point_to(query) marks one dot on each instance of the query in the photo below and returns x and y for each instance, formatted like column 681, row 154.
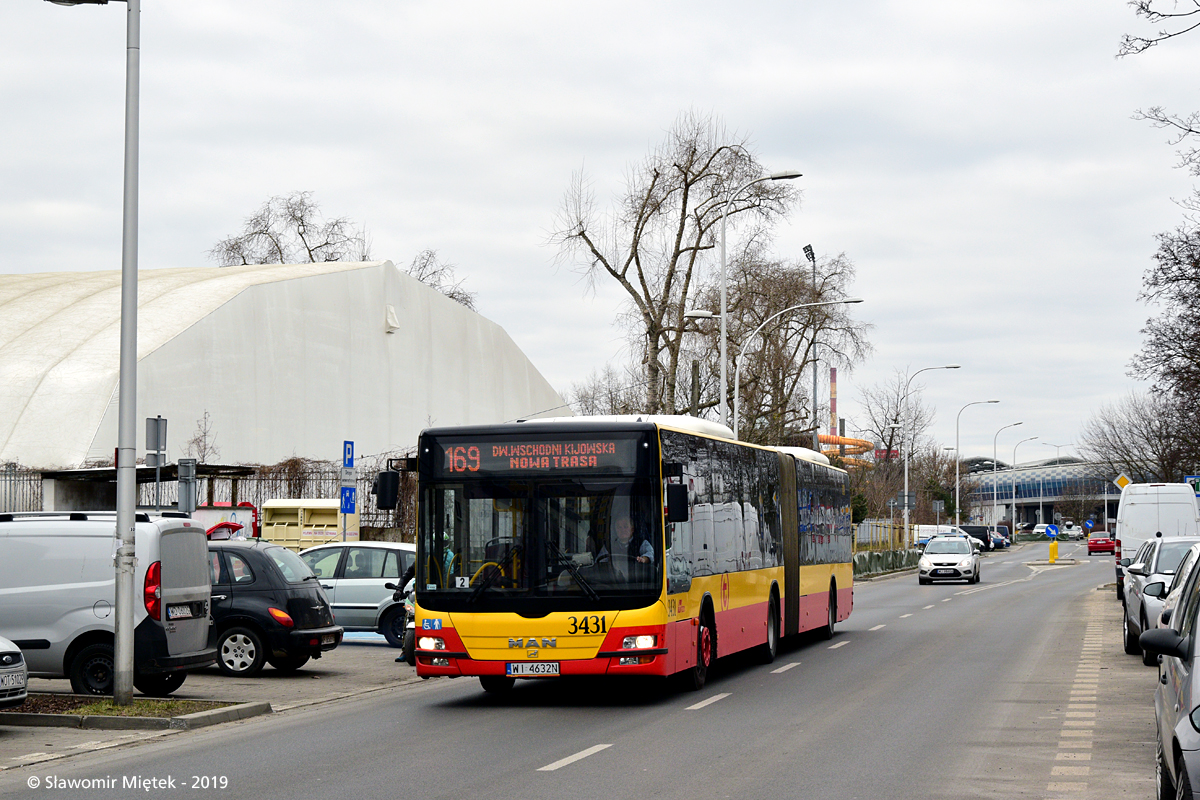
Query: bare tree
column 607, row 392
column 1183, row 17
column 203, row 444
column 431, row 271
column 883, row 407
column 1149, row 437
column 1171, row 351
column 775, row 402
column 291, row 230
column 656, row 241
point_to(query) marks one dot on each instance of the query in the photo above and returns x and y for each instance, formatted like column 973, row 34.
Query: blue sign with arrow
column 1052, row 531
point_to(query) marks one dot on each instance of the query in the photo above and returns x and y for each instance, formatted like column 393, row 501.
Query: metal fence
column 878, row 534
column 20, row 489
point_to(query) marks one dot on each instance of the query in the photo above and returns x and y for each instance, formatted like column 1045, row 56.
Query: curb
column 200, row 719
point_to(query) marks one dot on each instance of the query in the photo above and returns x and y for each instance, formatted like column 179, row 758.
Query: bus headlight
column 643, row 642
column 431, row 643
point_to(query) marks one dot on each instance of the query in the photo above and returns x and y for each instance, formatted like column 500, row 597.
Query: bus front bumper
column 432, row 663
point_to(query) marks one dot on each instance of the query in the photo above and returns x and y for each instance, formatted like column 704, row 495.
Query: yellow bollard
column 1053, row 550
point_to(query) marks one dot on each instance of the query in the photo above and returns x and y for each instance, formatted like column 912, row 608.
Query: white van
column 57, row 598
column 1148, row 510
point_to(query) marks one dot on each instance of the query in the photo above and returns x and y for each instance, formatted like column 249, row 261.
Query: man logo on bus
column 724, row 592
column 532, row 641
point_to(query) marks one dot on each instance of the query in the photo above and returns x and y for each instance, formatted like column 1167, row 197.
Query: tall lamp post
column 904, row 443
column 1057, row 449
column 958, row 454
column 1014, row 484
column 737, row 370
column 127, row 392
column 785, row 175
column 995, row 474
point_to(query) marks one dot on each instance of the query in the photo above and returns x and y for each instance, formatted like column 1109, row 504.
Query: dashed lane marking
column 709, row 701
column 842, row 643
column 785, row 667
column 877, row 627
column 562, row 762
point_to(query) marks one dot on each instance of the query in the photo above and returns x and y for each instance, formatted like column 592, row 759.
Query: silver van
column 57, row 598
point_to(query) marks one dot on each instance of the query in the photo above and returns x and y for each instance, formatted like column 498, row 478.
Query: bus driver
column 625, row 547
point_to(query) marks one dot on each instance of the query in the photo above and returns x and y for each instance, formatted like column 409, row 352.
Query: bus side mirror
column 387, row 490
column 677, row 502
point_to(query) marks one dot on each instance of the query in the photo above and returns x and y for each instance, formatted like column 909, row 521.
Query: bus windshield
column 550, row 542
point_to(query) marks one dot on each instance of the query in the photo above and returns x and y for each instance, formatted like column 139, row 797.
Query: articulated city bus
column 620, row 546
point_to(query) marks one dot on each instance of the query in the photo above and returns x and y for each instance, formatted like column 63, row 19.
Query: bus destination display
column 567, row 455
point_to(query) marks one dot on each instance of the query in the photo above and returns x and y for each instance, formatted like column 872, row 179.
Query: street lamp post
column 786, row 175
column 995, row 474
column 127, row 386
column 1014, row 484
column 958, row 456
column 903, row 442
column 1057, row 449
column 737, row 370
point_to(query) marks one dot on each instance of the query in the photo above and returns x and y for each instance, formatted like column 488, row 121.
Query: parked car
column 1155, row 562
column 1100, row 542
column 14, row 675
column 998, row 541
column 355, row 577
column 948, row 558
column 59, row 598
column 1177, row 696
column 1070, row 531
column 1170, row 591
column 268, row 608
column 1040, row 528
column 979, row 532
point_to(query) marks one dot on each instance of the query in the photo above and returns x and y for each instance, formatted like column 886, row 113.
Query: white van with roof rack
column 58, row 603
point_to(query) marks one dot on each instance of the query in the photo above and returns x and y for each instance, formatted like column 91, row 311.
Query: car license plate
column 14, row 680
column 179, row 612
column 943, row 572
column 538, row 668
column 328, row 638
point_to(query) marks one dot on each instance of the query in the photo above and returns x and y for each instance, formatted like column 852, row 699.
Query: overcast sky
column 976, row 161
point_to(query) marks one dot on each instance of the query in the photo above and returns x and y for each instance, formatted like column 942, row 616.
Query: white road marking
column 562, row 762
column 905, row 616
column 785, row 667
column 877, row 627
column 947, row 599
column 926, row 608
column 709, row 701
column 842, row 643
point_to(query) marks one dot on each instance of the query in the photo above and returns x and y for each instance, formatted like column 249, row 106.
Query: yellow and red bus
column 620, row 546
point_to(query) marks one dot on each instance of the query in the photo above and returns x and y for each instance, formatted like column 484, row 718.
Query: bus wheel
column 767, row 651
column 496, row 684
column 827, row 631
column 698, row 674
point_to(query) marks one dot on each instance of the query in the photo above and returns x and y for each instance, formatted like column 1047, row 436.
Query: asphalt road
column 1017, row 687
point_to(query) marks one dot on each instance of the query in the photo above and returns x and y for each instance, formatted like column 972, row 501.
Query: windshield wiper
column 490, row 578
column 573, row 568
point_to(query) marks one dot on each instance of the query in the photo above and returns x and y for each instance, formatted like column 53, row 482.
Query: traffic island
column 81, row 711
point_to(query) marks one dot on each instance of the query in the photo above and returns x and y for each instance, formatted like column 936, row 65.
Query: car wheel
column 496, row 684
column 1164, row 789
column 289, row 663
column 92, row 670
column 410, row 647
column 767, row 651
column 1148, row 658
column 240, row 652
column 1183, row 785
column 392, row 626
column 1131, row 643
column 160, row 684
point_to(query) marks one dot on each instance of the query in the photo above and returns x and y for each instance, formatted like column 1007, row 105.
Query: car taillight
column 152, row 591
column 281, row 617
column 1117, row 550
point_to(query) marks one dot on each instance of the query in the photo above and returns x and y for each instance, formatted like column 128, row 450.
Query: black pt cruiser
column 267, row 607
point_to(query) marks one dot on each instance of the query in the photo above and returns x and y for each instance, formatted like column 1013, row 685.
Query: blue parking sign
column 347, row 499
column 347, row 454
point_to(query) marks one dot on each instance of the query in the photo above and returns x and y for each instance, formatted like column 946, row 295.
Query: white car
column 14, row 676
column 948, row 558
column 355, row 574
